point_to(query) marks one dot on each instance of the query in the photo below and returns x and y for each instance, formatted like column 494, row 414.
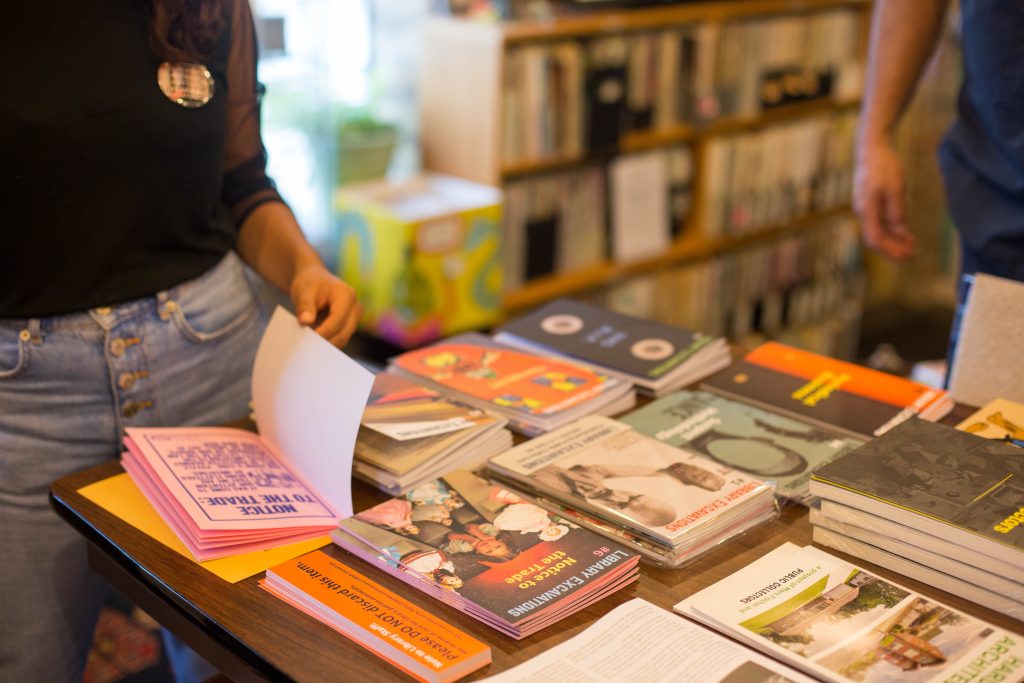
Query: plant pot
column 365, row 155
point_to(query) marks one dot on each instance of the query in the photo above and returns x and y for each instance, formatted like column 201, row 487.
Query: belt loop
column 162, row 308
column 35, row 330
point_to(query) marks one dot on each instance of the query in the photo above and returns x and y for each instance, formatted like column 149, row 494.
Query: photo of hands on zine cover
column 840, row 623
column 483, row 549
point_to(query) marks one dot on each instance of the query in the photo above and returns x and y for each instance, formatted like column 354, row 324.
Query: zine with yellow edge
column 945, row 482
column 119, row 496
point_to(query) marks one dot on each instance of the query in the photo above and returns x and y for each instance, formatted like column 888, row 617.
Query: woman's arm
column 271, row 241
column 269, row 238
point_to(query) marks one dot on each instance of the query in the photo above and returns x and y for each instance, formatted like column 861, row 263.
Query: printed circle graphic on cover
column 652, row 349
column 562, row 324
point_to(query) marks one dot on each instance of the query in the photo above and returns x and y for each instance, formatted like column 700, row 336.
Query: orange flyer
column 419, row 643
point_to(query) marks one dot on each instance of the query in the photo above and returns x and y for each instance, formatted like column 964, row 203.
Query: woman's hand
column 326, row 303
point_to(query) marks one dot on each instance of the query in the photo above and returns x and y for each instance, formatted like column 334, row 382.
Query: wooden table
column 251, row 635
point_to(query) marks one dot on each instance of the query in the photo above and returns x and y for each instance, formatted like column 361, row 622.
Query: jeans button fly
column 117, row 346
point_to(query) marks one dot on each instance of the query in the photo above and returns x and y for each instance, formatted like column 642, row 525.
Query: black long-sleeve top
column 109, row 190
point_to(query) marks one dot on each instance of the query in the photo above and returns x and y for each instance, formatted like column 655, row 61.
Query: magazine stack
column 937, row 504
column 669, row 504
column 488, row 552
column 656, row 358
column 536, row 393
column 410, row 435
column 834, row 394
column 778, row 449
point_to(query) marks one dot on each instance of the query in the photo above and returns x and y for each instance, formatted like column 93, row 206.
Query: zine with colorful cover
column 832, row 393
column 671, row 496
column 422, row 645
column 768, row 445
column 656, row 357
column 839, row 623
column 940, row 480
column 410, row 434
column 485, row 550
column 535, row 392
column 1000, row 419
column 401, row 409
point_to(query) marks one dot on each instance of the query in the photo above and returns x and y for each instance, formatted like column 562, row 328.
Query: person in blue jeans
column 982, row 155
column 134, row 187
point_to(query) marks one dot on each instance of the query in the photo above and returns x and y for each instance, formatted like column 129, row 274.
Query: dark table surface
column 251, row 635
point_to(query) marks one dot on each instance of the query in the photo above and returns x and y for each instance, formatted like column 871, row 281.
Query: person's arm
column 272, row 243
column 903, row 36
column 269, row 238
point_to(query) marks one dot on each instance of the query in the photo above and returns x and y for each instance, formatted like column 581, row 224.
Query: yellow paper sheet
column 119, row 496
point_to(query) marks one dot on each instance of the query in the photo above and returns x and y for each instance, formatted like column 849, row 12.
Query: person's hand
column 325, row 303
column 880, row 200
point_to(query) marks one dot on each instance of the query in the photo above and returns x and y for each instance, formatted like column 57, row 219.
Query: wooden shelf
column 617, row 21
column 691, row 248
column 683, row 133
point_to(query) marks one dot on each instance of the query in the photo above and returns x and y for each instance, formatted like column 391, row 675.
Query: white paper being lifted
column 308, row 398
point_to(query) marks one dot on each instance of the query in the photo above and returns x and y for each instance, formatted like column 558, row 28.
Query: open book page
column 638, row 641
column 308, row 398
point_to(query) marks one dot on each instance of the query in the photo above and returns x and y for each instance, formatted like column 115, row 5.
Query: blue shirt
column 982, row 156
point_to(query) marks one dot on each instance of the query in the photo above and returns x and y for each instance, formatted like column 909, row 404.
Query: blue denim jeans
column 69, row 385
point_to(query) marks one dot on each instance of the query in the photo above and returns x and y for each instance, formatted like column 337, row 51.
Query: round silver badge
column 189, row 85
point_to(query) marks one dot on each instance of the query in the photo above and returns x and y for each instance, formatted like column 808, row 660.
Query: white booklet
column 840, row 623
column 639, row 641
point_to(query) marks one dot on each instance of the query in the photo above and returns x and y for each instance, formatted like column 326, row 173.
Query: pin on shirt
column 189, row 85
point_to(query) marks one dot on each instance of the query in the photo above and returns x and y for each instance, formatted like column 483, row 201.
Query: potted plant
column 365, row 144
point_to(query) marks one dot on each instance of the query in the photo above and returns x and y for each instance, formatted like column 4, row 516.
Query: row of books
column 765, row 289
column 565, row 221
column 939, row 504
column 768, row 177
column 797, row 614
column 567, row 98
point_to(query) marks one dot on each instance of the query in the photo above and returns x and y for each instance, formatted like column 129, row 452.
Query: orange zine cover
column 880, row 386
column 507, row 378
column 411, row 638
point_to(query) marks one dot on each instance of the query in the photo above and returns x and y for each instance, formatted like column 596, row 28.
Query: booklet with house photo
column 838, row 622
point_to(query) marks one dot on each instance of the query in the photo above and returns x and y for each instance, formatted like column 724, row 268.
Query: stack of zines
column 831, row 393
column 419, row 643
column 772, row 447
column 224, row 491
column 668, row 504
column 940, row 505
column 485, row 551
column 410, row 435
column 536, row 393
column 656, row 358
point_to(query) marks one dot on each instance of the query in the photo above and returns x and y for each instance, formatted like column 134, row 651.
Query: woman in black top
column 132, row 171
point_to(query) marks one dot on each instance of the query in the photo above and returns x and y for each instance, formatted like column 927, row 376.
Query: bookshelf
column 475, row 99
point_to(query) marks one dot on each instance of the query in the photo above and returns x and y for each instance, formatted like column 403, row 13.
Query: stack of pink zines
column 224, row 491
